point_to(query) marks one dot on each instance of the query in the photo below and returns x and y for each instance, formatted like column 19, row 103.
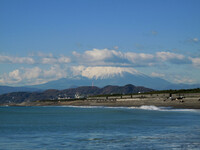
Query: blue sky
column 44, row 40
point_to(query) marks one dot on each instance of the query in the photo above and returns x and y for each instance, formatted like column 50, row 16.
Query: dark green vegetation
column 61, row 100
column 83, row 92
column 197, row 90
column 18, row 97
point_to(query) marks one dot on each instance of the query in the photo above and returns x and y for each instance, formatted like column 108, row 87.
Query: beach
column 189, row 103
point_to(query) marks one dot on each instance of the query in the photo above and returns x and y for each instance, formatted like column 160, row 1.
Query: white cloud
column 49, row 60
column 15, row 75
column 77, row 70
column 53, row 60
column 20, row 60
column 184, row 80
column 40, row 54
column 11, row 78
column 139, row 58
column 55, row 72
column 31, row 76
column 195, row 40
column 76, row 54
column 64, row 59
column 102, row 57
column 113, row 57
column 97, row 55
column 103, row 63
column 43, row 58
column 160, row 75
column 31, row 73
column 36, row 75
column 165, row 56
column 195, row 61
column 154, row 32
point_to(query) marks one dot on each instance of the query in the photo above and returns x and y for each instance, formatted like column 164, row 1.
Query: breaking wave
column 155, row 108
column 143, row 107
column 151, row 107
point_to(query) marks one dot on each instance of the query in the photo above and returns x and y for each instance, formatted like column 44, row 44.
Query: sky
column 45, row 40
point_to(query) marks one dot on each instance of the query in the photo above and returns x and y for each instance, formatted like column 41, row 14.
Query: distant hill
column 125, row 78
column 182, row 86
column 18, row 97
column 118, row 79
column 9, row 89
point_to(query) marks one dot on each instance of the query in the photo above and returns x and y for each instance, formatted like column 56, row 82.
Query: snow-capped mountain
column 117, row 79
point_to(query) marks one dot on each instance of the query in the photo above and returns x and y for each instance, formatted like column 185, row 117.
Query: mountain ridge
column 9, row 89
column 51, row 94
column 119, row 80
column 126, row 78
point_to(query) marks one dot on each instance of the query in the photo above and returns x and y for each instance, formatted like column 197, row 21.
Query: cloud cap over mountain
column 95, row 63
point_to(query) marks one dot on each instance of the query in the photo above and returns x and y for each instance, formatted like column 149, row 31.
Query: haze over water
column 147, row 127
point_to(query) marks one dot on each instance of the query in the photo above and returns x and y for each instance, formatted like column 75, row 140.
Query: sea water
column 146, row 127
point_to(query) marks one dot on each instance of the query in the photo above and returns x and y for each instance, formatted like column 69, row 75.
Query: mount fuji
column 117, row 79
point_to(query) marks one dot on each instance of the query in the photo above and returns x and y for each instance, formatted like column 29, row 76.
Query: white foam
column 152, row 107
column 190, row 110
column 143, row 107
column 83, row 106
column 4, row 106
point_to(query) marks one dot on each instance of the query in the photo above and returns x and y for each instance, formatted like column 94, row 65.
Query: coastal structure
column 142, row 96
column 177, row 99
column 78, row 96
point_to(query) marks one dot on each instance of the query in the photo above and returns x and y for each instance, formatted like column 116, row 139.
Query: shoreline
column 186, row 103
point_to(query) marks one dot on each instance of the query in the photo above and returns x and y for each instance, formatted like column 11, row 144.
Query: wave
column 155, row 108
column 151, row 107
column 4, row 106
column 190, row 110
column 71, row 106
column 143, row 107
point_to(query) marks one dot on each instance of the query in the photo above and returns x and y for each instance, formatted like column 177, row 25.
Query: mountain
column 125, row 78
column 127, row 89
column 119, row 79
column 18, row 97
column 182, row 86
column 9, row 89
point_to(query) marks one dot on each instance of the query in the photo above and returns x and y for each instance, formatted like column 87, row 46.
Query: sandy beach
column 189, row 103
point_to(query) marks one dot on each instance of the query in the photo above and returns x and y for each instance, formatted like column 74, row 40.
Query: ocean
column 92, row 128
